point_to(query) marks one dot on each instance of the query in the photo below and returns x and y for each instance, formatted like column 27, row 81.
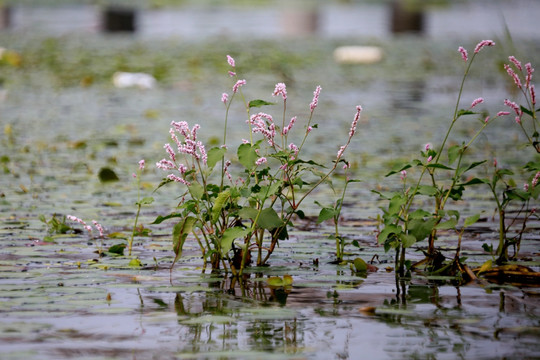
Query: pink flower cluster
column 86, row 226
column 264, row 124
column 528, row 89
column 280, row 89
column 289, row 127
column 315, row 100
column 479, row 46
column 189, row 146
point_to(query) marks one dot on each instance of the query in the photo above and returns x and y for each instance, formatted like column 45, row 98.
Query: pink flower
column 530, row 71
column 429, row 158
column 518, row 120
column 224, row 98
column 80, row 221
column 170, row 151
column 230, row 60
column 494, row 162
column 165, row 165
column 294, row 148
column 464, row 54
column 515, row 62
column 476, row 102
column 536, row 179
column 533, row 94
column 347, row 165
column 486, row 120
column 141, row 164
column 513, row 106
column 513, row 74
column 238, row 84
column 526, row 187
column 481, row 45
column 403, row 174
column 260, row 161
column 178, row 179
column 503, row 113
column 280, row 89
column 99, row 227
column 315, row 100
column 289, row 127
column 352, row 131
column 341, row 151
column 309, row 128
column 264, row 124
column 427, row 146
column 232, row 74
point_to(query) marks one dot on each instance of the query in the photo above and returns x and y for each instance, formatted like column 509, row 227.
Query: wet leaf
column 259, row 103
column 107, row 175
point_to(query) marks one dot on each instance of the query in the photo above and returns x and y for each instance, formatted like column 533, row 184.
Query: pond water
column 63, row 120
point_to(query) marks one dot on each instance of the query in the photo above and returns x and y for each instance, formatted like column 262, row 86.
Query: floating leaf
column 360, row 265
column 107, row 175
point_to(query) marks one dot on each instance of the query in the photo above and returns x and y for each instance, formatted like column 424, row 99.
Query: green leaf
column 219, row 203
column 450, row 224
column 269, row 219
column 427, row 190
column 326, row 214
column 465, row 112
column 526, row 111
column 360, row 265
column 180, row 233
column 229, row 235
column 395, row 204
column 398, row 168
column 453, row 153
column 476, row 181
column 439, row 166
column 248, row 213
column 419, row 214
column 474, row 164
column 161, row 219
column 471, row 220
column 107, row 175
column 117, row 249
column 420, row 229
column 215, row 154
column 135, row 263
column 387, row 231
column 196, row 190
column 146, row 201
column 407, row 240
column 259, row 103
column 247, row 155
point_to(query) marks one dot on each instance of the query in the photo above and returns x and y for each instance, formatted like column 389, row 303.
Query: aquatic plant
column 249, row 202
column 406, row 222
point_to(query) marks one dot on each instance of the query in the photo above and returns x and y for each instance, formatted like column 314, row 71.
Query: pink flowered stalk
column 315, row 100
column 476, row 102
column 231, row 61
column 280, row 89
column 238, row 84
column 482, row 44
column 516, row 62
column 224, row 98
column 80, row 221
column 464, row 54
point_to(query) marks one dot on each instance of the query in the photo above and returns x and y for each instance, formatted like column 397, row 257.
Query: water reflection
column 418, row 319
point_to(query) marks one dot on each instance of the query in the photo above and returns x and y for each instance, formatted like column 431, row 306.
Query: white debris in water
column 141, row 80
column 358, row 54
